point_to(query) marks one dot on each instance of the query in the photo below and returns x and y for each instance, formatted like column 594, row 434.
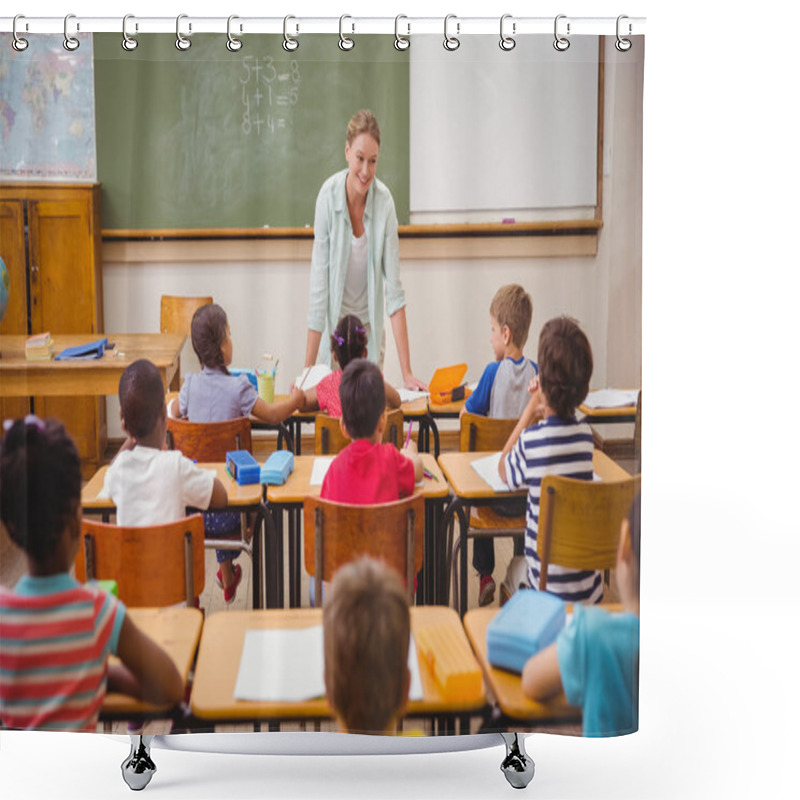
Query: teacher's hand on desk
column 410, row 382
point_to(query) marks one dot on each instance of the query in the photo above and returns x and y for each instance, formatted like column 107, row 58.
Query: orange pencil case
column 445, row 385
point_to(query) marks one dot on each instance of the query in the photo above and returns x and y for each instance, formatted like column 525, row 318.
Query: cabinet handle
column 34, row 273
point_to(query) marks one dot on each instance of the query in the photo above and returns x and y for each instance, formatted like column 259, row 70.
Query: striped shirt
column 553, row 447
column 55, row 638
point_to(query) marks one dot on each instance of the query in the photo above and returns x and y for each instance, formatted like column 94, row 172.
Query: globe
column 5, row 283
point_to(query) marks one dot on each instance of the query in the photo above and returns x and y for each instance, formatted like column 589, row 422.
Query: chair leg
column 517, row 766
column 138, row 768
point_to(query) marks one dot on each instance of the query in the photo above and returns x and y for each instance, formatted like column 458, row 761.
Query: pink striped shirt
column 55, row 638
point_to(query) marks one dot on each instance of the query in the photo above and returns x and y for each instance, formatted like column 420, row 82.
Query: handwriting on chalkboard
column 268, row 94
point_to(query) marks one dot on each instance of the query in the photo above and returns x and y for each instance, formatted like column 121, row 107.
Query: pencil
column 408, row 435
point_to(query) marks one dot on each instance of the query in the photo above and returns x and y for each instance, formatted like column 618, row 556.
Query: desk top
column 177, row 630
column 238, row 496
column 468, row 484
column 97, row 376
column 220, row 652
column 507, row 686
column 298, row 487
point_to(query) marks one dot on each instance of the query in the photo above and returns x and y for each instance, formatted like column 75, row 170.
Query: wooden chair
column 176, row 317
column 391, row 532
column 156, row 565
column 329, row 439
column 209, row 442
column 478, row 433
column 579, row 522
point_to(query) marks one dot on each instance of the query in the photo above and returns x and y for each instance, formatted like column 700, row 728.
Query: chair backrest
column 390, row 532
column 484, row 433
column 579, row 522
column 155, row 565
column 209, row 441
column 329, row 439
column 177, row 312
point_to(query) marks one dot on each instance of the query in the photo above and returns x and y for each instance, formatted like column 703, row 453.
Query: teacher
column 355, row 260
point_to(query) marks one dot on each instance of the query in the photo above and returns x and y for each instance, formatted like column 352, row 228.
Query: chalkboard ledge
column 556, row 228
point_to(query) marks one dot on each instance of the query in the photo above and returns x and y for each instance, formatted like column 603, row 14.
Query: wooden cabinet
column 50, row 242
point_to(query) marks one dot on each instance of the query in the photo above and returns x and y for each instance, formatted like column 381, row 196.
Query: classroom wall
column 447, row 299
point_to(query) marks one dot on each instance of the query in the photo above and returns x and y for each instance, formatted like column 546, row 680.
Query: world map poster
column 47, row 125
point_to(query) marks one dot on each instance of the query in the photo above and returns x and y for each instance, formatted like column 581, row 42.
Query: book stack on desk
column 39, row 347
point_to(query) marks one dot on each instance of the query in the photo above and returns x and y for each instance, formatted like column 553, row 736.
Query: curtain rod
column 452, row 26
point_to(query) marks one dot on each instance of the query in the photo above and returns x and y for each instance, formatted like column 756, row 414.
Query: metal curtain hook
column 451, row 43
column 70, row 42
column 345, row 43
column 290, row 44
column 128, row 42
column 18, row 43
column 507, row 42
column 623, row 45
column 233, row 44
column 561, row 43
column 401, row 42
column 181, row 42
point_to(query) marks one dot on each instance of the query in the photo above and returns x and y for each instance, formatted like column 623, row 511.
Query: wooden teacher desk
column 97, row 376
column 469, row 489
column 177, row 631
column 290, row 496
column 220, row 652
column 240, row 498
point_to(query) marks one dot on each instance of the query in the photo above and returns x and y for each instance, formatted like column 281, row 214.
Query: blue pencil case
column 278, row 467
column 84, row 351
column 242, row 467
column 527, row 623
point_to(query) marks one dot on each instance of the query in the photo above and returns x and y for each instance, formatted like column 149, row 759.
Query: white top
column 354, row 299
column 151, row 487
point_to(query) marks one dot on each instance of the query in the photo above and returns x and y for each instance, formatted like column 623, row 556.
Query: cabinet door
column 12, row 250
column 61, row 254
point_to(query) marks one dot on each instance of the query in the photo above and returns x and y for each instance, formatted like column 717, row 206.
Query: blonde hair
column 366, row 630
column 363, row 121
column 513, row 306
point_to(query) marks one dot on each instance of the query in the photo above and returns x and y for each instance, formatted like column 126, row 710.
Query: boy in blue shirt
column 595, row 659
column 502, row 393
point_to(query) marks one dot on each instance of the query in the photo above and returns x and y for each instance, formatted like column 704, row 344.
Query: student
column 214, row 395
column 558, row 445
column 55, row 633
column 367, row 471
column 349, row 341
column 366, row 632
column 148, row 484
column 502, row 393
column 595, row 659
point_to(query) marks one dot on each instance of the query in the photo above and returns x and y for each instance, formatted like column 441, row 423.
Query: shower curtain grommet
column 17, row 42
column 451, row 43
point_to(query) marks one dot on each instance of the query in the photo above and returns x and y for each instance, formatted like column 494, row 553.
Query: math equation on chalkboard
column 270, row 90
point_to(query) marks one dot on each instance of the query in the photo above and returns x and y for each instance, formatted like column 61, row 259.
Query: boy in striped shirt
column 55, row 633
column 558, row 445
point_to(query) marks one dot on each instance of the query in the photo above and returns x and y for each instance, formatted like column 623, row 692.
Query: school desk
column 249, row 497
column 217, row 668
column 507, row 686
column 469, row 489
column 612, row 414
column 290, row 496
column 177, row 630
column 97, row 376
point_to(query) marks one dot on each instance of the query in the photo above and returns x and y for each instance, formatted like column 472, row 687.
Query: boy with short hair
column 367, row 471
column 150, row 485
column 502, row 393
column 558, row 445
column 595, row 659
column 366, row 632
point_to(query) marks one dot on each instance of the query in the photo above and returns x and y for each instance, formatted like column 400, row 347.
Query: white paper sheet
column 318, row 470
column 281, row 665
column 311, row 376
column 487, row 469
column 409, row 395
column 288, row 665
column 611, row 398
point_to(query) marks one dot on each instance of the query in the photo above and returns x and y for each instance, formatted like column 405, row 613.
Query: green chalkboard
column 206, row 138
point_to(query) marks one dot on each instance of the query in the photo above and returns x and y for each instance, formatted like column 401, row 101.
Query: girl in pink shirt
column 348, row 342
